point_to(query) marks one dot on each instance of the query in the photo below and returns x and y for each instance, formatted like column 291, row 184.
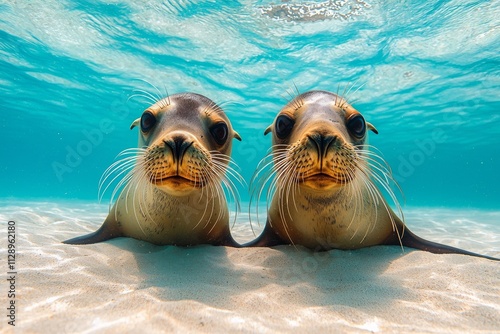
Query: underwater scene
column 76, row 75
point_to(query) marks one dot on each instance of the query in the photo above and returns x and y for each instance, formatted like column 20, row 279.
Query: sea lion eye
column 148, row 120
column 284, row 125
column 220, row 132
column 357, row 126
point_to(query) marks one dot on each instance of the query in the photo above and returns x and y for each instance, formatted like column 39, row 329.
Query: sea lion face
column 318, row 136
column 187, row 140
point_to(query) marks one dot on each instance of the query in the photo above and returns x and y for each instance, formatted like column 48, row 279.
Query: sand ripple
column 125, row 285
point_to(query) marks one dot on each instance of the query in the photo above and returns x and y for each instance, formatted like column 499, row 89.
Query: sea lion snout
column 322, row 142
column 178, row 143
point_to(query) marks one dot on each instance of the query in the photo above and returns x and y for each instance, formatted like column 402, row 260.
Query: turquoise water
column 426, row 75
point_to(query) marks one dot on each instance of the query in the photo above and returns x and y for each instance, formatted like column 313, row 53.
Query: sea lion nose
column 322, row 142
column 178, row 144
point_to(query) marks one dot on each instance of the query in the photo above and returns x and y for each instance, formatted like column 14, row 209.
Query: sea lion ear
column 135, row 123
column 269, row 129
column 236, row 136
column 371, row 127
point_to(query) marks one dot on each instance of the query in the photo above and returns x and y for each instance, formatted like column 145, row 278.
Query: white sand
column 125, row 285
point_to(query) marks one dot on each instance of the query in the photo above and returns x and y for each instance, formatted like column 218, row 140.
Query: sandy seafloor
column 125, row 285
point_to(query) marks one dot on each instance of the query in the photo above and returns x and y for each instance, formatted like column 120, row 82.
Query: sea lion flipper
column 411, row 240
column 414, row 241
column 267, row 238
column 108, row 230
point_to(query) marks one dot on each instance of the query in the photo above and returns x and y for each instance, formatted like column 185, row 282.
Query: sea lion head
column 186, row 140
column 317, row 140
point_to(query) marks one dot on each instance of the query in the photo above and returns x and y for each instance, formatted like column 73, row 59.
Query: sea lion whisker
column 365, row 152
column 236, row 196
column 137, row 184
column 281, row 210
column 212, row 201
column 124, row 180
column 284, row 175
column 221, row 213
column 120, row 169
column 375, row 159
column 227, row 160
column 298, row 95
column 267, row 160
column 158, row 92
column 294, row 184
column 256, row 192
column 117, row 166
column 379, row 170
column 206, row 188
column 261, row 177
column 113, row 166
column 212, row 194
column 144, row 95
column 343, row 100
column 222, row 170
column 231, row 188
column 354, row 192
column 229, row 170
column 138, row 160
column 210, row 108
column 348, row 98
column 290, row 179
column 347, row 88
column 295, row 190
column 365, row 175
column 228, row 181
column 289, row 98
column 383, row 182
column 357, row 204
column 378, row 196
column 387, row 174
column 209, row 190
column 131, row 150
column 229, row 104
column 216, row 187
column 147, row 192
column 167, row 96
column 374, row 153
column 358, row 195
column 141, row 200
column 374, row 195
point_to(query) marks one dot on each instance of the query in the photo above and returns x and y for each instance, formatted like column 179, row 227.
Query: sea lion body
column 173, row 196
column 328, row 226
column 325, row 196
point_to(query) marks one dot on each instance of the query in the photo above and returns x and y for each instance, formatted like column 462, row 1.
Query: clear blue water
column 68, row 68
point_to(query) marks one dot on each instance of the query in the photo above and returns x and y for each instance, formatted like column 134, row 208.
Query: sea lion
column 174, row 195
column 324, row 182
